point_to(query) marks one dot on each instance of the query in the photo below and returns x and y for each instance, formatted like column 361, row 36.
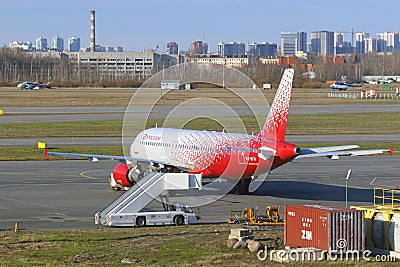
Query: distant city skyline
column 138, row 25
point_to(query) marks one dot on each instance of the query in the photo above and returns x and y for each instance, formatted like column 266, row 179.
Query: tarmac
column 67, row 114
column 58, row 195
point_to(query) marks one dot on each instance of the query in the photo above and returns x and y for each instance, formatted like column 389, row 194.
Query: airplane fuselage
column 214, row 154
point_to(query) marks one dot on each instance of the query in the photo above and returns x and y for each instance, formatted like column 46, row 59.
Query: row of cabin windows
column 201, row 148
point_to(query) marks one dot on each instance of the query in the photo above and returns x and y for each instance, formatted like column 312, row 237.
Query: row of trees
column 17, row 66
column 354, row 68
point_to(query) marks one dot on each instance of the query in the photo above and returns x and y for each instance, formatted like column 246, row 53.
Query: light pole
column 347, row 179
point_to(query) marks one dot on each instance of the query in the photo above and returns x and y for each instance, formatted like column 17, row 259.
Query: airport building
column 291, row 42
column 74, row 44
column 322, row 43
column 139, row 64
column 263, row 49
column 231, row 49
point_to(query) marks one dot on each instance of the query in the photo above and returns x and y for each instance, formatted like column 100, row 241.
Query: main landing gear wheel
column 242, row 187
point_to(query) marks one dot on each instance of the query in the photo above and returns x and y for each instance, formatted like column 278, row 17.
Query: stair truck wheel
column 141, row 221
column 179, row 220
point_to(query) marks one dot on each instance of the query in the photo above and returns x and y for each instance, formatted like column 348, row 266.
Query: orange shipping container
column 328, row 228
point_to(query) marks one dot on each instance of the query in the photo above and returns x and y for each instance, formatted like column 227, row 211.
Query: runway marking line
column 83, row 174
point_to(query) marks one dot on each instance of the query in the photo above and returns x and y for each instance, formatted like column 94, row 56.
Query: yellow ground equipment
column 41, row 145
column 382, row 220
column 250, row 217
column 236, row 217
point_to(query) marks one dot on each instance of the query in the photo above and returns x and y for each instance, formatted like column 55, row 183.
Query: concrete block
column 241, row 232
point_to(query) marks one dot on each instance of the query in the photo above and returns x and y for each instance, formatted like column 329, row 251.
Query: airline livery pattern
column 211, row 153
column 214, row 154
column 278, row 114
column 219, row 154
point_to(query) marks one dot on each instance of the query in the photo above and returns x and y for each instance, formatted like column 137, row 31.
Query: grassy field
column 13, row 97
column 30, row 153
column 194, row 245
column 63, row 129
column 363, row 123
column 359, row 123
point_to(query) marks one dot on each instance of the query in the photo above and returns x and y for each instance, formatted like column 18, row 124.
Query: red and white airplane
column 238, row 157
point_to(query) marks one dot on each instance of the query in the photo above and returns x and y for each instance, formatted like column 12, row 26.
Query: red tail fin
column 275, row 125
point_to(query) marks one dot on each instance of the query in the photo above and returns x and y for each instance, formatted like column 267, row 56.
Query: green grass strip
column 363, row 123
column 31, row 153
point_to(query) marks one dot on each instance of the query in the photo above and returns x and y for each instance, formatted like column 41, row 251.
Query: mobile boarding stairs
column 146, row 190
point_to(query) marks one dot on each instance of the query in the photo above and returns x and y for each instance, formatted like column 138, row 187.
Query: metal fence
column 354, row 96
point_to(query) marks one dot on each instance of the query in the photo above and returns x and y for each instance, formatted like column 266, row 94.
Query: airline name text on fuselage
column 151, row 137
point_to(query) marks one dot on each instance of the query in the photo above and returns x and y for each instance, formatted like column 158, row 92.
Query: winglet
column 46, row 153
column 391, row 150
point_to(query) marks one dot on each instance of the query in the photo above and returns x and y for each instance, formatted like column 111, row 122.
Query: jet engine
column 127, row 175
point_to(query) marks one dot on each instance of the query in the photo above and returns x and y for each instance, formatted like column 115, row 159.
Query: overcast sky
column 142, row 24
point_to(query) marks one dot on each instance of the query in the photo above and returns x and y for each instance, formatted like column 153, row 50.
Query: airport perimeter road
column 117, row 141
column 47, row 195
column 64, row 114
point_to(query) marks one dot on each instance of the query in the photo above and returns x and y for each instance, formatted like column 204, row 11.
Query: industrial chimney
column 92, row 31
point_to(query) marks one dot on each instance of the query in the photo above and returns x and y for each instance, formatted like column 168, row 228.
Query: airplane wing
column 95, row 158
column 333, row 152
